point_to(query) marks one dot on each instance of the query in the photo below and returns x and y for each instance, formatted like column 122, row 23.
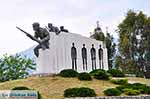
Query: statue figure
column 84, row 57
column 74, row 57
column 100, row 54
column 62, row 29
column 52, row 28
column 93, row 57
column 44, row 36
column 41, row 33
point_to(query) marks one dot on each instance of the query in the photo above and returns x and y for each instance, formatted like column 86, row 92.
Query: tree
column 108, row 40
column 111, row 49
column 14, row 67
column 134, row 39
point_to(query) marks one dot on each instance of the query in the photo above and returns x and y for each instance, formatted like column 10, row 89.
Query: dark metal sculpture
column 74, row 57
column 62, row 29
column 93, row 57
column 84, row 57
column 41, row 33
column 100, row 54
column 52, row 28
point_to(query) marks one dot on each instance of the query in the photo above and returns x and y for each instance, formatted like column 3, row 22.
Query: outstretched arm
column 30, row 36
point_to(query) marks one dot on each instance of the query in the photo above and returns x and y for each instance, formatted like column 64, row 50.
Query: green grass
column 53, row 87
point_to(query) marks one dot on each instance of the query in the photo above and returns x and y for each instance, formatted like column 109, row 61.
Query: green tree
column 134, row 35
column 108, row 40
column 14, row 67
column 111, row 49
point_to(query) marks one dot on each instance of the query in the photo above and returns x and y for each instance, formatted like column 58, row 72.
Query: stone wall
column 58, row 57
column 114, row 97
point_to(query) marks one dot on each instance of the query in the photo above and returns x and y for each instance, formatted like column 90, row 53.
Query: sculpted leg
column 36, row 50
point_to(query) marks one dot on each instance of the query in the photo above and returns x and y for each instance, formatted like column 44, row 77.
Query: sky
column 78, row 16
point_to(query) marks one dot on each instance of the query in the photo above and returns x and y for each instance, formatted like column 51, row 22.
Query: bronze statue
column 52, row 28
column 74, row 57
column 84, row 57
column 62, row 29
column 100, row 54
column 41, row 33
column 93, row 57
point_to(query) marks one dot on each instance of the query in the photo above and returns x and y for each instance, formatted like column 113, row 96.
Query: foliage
column 116, row 73
column 134, row 44
column 131, row 92
column 109, row 41
column 14, row 67
column 111, row 49
column 129, row 89
column 135, row 86
column 68, row 73
column 95, row 71
column 112, row 92
column 20, row 88
column 146, row 90
column 84, row 76
column 26, row 88
column 119, row 81
column 101, row 74
column 79, row 92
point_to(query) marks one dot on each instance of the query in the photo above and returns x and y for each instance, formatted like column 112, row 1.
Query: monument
column 64, row 50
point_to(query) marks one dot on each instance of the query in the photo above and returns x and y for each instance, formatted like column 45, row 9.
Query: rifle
column 32, row 37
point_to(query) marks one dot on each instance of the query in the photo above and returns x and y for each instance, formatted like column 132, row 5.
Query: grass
column 53, row 87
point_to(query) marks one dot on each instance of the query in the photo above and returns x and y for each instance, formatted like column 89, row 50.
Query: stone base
column 43, row 75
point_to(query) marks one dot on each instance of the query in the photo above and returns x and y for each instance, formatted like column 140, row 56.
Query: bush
column 136, row 86
column 146, row 90
column 131, row 92
column 119, row 81
column 116, row 73
column 112, row 92
column 121, row 88
column 101, row 75
column 68, row 73
column 20, row 88
column 79, row 92
column 95, row 71
column 25, row 88
column 84, row 76
column 15, row 67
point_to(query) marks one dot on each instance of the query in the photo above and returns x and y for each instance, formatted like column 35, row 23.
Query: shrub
column 131, row 92
column 68, row 73
column 146, row 90
column 116, row 73
column 20, row 88
column 119, row 81
column 135, row 86
column 101, row 75
column 79, row 92
column 15, row 67
column 25, row 88
column 96, row 70
column 121, row 88
column 84, row 76
column 112, row 92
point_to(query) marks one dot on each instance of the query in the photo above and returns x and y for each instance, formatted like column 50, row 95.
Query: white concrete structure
column 58, row 57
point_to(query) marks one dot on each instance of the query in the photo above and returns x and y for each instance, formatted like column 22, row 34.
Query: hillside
column 53, row 87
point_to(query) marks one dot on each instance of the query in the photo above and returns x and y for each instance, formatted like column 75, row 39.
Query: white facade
column 58, row 57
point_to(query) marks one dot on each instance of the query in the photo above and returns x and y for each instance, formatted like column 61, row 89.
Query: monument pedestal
column 44, row 66
column 58, row 57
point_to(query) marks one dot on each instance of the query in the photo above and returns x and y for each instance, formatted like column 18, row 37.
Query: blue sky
column 78, row 16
